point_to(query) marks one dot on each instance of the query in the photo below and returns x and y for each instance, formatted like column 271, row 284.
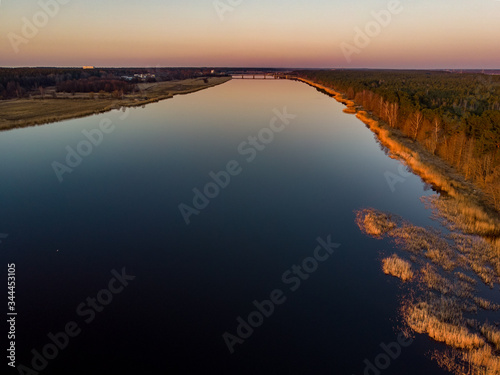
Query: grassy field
column 55, row 107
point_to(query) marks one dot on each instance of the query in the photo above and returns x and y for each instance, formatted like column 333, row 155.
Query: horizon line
column 244, row 67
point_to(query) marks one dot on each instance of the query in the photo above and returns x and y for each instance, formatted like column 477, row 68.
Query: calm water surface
column 120, row 208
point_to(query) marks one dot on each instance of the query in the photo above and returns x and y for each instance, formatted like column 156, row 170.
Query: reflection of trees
column 454, row 116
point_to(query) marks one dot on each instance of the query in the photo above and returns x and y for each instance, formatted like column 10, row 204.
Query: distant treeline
column 455, row 116
column 20, row 82
column 95, row 84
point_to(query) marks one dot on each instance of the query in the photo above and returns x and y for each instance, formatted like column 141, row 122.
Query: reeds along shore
column 464, row 205
column 443, row 296
column 442, row 271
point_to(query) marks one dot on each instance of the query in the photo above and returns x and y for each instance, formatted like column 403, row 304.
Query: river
column 233, row 204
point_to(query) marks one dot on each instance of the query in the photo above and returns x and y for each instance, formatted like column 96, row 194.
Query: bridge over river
column 257, row 75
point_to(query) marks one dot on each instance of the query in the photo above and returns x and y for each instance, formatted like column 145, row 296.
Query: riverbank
column 39, row 110
column 464, row 206
column 444, row 270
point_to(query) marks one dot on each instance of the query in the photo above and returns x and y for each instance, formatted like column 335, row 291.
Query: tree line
column 20, row 82
column 454, row 116
column 95, row 85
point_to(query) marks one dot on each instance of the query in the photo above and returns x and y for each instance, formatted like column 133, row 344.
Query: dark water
column 119, row 208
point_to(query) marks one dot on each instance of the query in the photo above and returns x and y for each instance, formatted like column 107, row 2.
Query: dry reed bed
column 374, row 223
column 397, row 267
column 455, row 250
column 492, row 334
column 441, row 319
column 445, row 271
column 480, row 361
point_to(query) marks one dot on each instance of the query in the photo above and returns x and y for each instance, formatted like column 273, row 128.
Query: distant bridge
column 255, row 76
column 259, row 75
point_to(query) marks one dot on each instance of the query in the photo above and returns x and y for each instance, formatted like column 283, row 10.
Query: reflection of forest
column 454, row 116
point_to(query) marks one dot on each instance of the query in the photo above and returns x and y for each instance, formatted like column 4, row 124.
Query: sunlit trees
column 454, row 116
column 493, row 186
column 436, row 133
column 415, row 122
column 392, row 114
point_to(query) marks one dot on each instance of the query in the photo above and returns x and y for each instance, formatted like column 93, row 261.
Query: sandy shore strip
column 21, row 113
column 351, row 106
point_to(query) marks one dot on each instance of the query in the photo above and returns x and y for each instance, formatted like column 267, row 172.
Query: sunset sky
column 271, row 33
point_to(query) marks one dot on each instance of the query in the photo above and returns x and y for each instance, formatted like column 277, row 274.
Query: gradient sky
column 273, row 33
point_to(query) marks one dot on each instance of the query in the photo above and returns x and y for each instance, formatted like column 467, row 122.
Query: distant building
column 88, row 67
column 142, row 77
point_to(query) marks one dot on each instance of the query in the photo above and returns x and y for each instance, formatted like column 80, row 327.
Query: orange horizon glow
column 427, row 35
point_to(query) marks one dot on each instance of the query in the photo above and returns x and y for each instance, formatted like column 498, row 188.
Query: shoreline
column 441, row 269
column 476, row 215
column 21, row 113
